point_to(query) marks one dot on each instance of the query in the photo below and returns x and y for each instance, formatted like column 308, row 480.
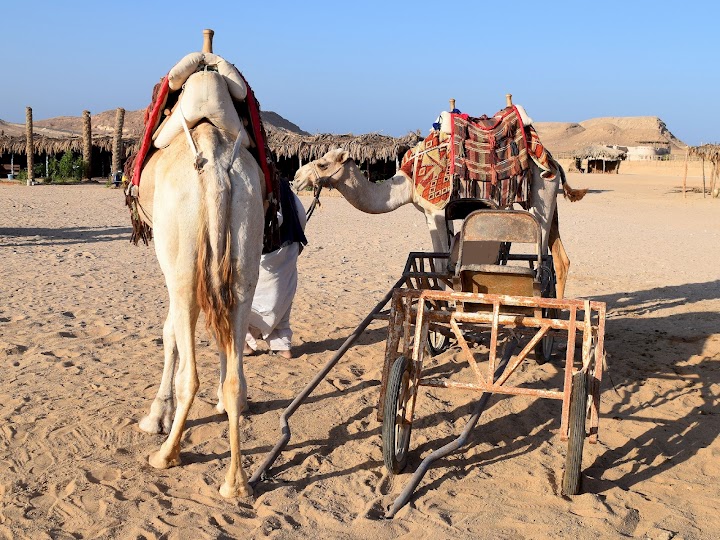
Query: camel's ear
column 342, row 156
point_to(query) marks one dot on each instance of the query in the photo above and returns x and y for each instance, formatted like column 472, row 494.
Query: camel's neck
column 370, row 197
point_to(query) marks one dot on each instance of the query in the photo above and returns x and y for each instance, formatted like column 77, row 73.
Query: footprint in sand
column 103, row 476
column 385, row 485
column 12, row 348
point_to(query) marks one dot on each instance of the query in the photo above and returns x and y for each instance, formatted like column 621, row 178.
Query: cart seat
column 479, row 252
column 475, row 252
column 486, row 227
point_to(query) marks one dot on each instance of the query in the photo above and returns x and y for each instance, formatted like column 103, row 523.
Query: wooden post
column 687, row 156
column 703, row 168
column 117, row 141
column 29, row 146
column 207, row 40
column 87, row 145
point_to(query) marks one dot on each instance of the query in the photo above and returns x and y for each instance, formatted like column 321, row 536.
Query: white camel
column 203, row 195
column 337, row 170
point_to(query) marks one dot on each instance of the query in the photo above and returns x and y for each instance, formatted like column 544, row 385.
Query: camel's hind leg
column 543, row 196
column 234, row 394
column 220, row 407
column 177, row 253
column 184, row 313
column 159, row 419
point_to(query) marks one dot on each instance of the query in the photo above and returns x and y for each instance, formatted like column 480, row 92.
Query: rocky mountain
column 611, row 130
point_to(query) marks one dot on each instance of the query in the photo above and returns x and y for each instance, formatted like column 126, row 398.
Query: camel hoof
column 235, row 492
column 150, row 425
column 160, row 461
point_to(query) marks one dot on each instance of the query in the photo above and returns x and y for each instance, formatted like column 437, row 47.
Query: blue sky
column 362, row 66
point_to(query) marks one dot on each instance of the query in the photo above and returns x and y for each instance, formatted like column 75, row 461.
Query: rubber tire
column 544, row 349
column 572, row 475
column 437, row 343
column 396, row 389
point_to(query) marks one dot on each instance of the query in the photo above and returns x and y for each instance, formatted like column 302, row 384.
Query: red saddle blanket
column 427, row 164
column 489, row 157
column 484, row 158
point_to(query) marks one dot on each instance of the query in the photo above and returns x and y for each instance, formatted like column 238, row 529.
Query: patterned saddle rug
column 485, row 158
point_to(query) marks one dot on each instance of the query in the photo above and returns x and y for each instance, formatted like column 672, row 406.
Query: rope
column 318, row 188
column 315, row 202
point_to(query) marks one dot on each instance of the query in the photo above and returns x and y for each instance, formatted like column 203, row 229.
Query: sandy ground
column 81, row 314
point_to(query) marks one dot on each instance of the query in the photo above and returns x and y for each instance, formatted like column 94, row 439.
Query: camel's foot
column 220, row 407
column 159, row 419
column 237, row 491
column 160, row 460
column 152, row 424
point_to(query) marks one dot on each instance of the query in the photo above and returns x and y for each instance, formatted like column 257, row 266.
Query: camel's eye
column 322, row 165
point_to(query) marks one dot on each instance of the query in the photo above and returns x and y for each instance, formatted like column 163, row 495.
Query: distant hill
column 557, row 136
column 104, row 124
column 611, row 130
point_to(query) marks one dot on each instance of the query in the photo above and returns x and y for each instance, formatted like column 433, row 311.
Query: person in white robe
column 272, row 303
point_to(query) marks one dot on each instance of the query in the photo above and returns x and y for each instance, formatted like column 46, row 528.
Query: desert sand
column 81, row 315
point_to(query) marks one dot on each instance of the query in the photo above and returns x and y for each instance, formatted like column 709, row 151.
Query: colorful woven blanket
column 427, row 165
column 484, row 158
column 539, row 154
column 489, row 157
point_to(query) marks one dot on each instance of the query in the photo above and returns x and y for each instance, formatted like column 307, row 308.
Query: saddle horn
column 508, row 100
column 207, row 40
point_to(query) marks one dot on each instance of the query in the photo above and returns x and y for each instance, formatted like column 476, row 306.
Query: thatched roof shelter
column 599, row 152
column 57, row 145
column 284, row 144
column 370, row 147
column 710, row 152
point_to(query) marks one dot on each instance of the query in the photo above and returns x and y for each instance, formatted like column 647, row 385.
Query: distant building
column 598, row 159
column 652, row 151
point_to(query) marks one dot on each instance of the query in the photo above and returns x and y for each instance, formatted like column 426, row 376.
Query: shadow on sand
column 33, row 236
column 636, row 331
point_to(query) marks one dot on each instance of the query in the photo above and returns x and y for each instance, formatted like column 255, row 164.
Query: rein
column 319, row 183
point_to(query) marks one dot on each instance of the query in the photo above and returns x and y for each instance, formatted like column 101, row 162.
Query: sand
column 81, row 314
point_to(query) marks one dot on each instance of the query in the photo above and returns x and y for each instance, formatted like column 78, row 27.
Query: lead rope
column 316, row 191
column 315, row 202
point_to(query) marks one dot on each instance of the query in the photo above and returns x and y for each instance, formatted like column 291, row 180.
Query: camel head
column 325, row 171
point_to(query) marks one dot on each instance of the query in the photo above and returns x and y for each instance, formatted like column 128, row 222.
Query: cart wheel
column 544, row 349
column 397, row 423
column 438, row 343
column 576, row 434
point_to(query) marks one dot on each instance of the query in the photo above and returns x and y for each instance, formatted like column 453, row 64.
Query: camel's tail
column 214, row 268
column 571, row 194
